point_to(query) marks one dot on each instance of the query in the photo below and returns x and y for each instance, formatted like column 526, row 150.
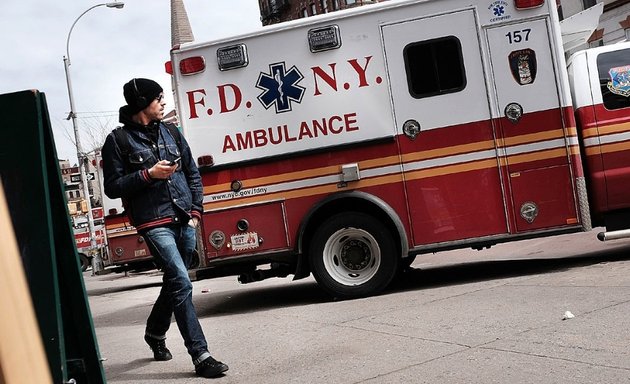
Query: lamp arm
column 72, row 27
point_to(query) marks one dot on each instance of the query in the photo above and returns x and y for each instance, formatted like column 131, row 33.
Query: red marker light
column 192, row 65
column 527, row 4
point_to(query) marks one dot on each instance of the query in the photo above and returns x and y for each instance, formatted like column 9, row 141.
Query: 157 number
column 518, row 36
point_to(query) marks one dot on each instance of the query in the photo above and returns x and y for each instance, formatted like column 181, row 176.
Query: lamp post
column 97, row 262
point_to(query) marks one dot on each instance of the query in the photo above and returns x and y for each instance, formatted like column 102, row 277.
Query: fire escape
column 273, row 11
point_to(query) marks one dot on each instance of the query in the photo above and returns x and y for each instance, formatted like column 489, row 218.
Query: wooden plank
column 22, row 357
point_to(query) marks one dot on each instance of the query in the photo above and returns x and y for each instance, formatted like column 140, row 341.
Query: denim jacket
column 151, row 202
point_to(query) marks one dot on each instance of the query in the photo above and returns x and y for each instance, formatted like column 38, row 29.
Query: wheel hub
column 355, row 255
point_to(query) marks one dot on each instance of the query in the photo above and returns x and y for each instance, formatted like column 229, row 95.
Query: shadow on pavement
column 255, row 298
column 304, row 293
column 122, row 372
column 470, row 272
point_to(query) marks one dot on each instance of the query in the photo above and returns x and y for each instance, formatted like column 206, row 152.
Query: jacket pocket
column 172, row 152
column 141, row 159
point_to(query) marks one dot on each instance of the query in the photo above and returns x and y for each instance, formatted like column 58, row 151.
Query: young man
column 150, row 167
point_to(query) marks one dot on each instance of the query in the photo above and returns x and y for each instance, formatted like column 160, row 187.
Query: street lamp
column 81, row 156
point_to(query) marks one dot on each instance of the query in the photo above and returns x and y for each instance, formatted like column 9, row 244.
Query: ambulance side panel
column 298, row 135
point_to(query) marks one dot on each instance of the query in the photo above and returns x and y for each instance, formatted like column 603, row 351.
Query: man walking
column 148, row 164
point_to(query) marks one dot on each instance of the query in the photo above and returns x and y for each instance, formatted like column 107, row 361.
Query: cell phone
column 173, row 162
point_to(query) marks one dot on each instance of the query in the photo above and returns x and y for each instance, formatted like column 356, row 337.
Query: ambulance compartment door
column 535, row 147
column 445, row 134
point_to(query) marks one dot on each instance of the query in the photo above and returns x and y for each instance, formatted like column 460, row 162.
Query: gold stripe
column 533, row 137
column 537, row 156
column 607, row 148
column 448, row 151
column 450, row 169
column 605, row 130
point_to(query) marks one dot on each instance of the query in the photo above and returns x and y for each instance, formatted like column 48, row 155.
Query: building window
column 588, row 3
column 323, row 5
column 434, row 67
column 596, row 39
column 313, row 9
column 614, row 71
column 351, row 2
column 596, row 43
column 627, row 31
column 335, row 5
column 304, row 12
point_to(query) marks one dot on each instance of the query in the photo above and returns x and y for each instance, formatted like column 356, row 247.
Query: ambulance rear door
column 536, row 145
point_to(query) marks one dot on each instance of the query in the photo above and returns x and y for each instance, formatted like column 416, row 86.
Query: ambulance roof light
column 192, row 65
column 528, row 4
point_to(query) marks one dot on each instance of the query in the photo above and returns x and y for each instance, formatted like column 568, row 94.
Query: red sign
column 97, row 213
column 83, row 239
column 69, row 171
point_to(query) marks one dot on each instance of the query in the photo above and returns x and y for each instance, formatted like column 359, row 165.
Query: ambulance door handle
column 513, row 112
column 411, row 129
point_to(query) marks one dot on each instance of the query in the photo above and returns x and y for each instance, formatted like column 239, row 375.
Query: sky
column 107, row 48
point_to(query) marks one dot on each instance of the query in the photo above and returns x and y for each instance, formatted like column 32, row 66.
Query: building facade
column 614, row 24
column 277, row 11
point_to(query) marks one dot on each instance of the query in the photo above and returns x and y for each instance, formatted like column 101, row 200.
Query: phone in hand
column 173, row 162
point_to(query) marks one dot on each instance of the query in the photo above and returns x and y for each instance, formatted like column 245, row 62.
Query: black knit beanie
column 139, row 93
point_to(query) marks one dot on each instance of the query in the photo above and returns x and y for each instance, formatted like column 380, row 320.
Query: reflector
column 192, row 65
column 527, row 4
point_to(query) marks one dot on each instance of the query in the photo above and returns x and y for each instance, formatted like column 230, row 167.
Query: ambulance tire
column 85, row 262
column 353, row 255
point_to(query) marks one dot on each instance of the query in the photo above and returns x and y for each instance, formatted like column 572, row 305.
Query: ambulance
column 347, row 144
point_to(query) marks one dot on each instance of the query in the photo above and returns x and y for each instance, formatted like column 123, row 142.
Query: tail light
column 192, row 65
column 528, row 4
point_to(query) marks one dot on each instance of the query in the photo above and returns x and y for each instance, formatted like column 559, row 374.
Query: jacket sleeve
column 117, row 183
column 193, row 177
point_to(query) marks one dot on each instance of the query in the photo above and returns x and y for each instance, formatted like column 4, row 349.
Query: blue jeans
column 173, row 247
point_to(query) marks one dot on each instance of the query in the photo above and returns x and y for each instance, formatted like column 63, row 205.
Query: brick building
column 614, row 24
column 276, row 11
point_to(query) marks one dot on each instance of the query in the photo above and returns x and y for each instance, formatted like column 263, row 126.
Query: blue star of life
column 499, row 10
column 280, row 87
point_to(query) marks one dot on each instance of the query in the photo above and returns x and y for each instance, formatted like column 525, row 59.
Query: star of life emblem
column 280, row 87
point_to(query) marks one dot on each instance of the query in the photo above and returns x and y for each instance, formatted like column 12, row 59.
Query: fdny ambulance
column 346, row 144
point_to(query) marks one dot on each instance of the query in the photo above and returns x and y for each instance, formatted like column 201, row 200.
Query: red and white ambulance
column 346, row 144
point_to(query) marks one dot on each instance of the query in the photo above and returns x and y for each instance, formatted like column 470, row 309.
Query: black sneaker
column 160, row 352
column 210, row 368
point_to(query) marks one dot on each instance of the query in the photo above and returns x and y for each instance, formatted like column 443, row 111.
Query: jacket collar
column 124, row 117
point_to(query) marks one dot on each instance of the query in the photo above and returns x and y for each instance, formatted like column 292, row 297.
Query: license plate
column 140, row 252
column 244, row 241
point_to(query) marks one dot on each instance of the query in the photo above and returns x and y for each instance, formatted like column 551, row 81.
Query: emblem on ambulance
column 523, row 65
column 619, row 83
column 280, row 87
column 217, row 239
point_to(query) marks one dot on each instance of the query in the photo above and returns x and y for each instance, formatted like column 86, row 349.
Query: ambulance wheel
column 353, row 255
column 85, row 262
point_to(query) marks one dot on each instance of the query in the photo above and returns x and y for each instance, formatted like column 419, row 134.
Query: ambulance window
column 614, row 78
column 434, row 67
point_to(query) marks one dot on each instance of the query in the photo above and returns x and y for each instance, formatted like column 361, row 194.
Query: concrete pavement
column 494, row 316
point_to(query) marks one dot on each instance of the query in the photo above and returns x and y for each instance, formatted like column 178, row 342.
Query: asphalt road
column 492, row 316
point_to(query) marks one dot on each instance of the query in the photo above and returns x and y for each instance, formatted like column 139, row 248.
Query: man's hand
column 193, row 222
column 162, row 170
